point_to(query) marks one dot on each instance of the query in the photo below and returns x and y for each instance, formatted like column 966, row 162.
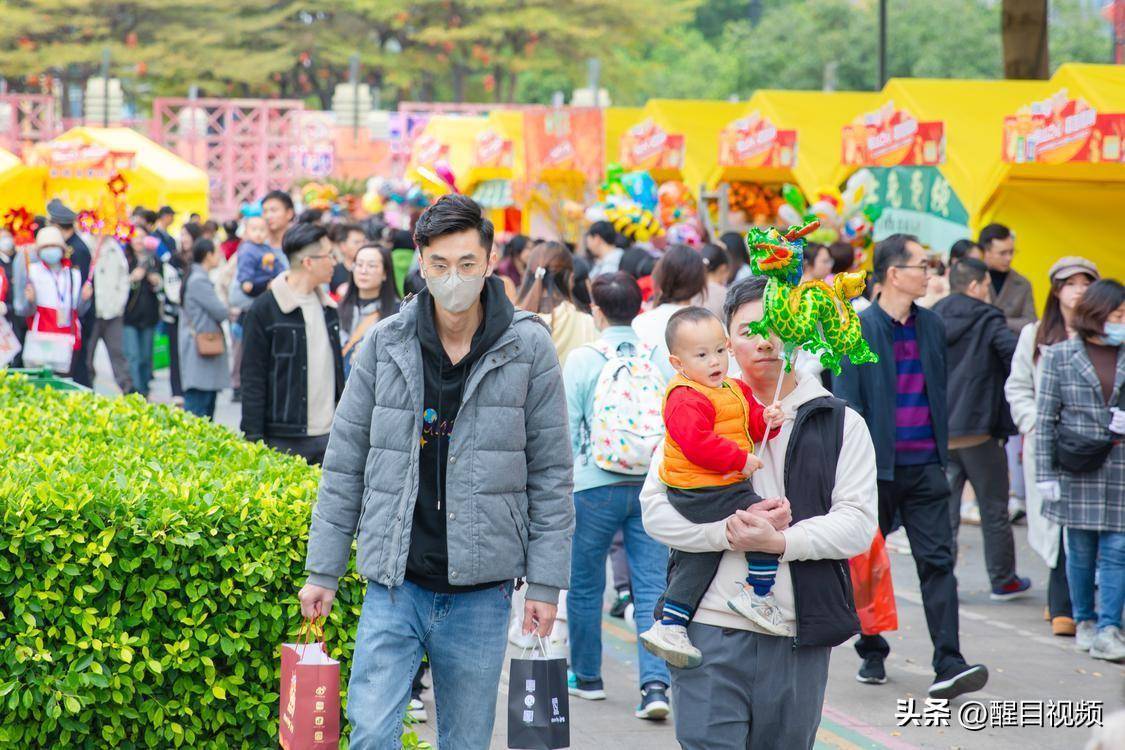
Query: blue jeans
column 1104, row 551
column 137, row 343
column 598, row 514
column 465, row 636
column 200, row 403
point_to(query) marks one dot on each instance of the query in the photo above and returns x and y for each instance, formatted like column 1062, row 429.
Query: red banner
column 1060, row 129
column 564, row 140
column 754, row 141
column 492, row 150
column 648, row 146
column 890, row 137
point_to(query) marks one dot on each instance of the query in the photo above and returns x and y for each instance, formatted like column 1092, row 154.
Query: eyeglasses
column 464, row 268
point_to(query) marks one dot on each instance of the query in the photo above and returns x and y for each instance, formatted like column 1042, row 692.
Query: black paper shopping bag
column 538, row 705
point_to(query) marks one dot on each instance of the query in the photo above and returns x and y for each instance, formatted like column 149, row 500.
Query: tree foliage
column 513, row 50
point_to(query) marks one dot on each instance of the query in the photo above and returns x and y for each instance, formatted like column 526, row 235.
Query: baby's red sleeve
column 757, row 414
column 690, row 419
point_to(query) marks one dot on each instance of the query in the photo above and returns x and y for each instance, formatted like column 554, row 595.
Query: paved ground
column 1025, row 662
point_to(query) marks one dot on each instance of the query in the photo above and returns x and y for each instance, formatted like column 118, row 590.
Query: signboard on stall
column 428, row 150
column 314, row 153
column 491, row 149
column 647, row 146
column 82, row 161
column 562, row 143
column 753, row 142
column 919, row 201
column 890, row 137
column 1059, row 129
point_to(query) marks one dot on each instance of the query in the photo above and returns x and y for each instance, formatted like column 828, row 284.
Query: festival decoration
column 21, row 225
column 88, row 222
column 847, row 215
column 612, row 184
column 641, row 188
column 320, row 196
column 634, row 222
column 675, row 202
column 251, row 209
column 372, row 203
column 685, row 233
column 814, row 316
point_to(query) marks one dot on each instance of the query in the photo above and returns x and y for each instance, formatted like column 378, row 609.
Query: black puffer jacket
column 979, row 360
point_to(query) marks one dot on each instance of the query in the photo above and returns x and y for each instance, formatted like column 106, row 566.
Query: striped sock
column 761, row 575
column 676, row 614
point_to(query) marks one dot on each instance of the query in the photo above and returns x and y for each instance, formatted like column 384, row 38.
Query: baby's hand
column 247, row 287
column 753, row 463
column 773, row 415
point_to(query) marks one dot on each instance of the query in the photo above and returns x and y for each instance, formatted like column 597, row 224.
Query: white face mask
column 455, row 293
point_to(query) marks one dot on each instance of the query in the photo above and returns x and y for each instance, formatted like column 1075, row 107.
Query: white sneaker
column 760, row 610
column 417, row 710
column 671, row 643
column 970, row 513
column 1109, row 644
column 1084, row 635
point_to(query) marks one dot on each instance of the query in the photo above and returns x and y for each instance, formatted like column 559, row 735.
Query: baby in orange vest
column 712, row 423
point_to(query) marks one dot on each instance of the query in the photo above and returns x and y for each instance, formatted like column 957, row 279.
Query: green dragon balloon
column 810, row 315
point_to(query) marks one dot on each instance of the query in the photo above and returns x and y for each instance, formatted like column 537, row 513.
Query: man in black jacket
column 292, row 371
column 980, row 357
column 903, row 400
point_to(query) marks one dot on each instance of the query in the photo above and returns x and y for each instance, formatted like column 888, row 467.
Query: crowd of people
column 489, row 412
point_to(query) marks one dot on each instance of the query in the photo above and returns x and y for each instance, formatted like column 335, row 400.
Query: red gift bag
column 874, row 592
column 310, row 693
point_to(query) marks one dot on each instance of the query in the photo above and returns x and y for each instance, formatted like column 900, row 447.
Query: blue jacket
column 871, row 389
column 580, row 376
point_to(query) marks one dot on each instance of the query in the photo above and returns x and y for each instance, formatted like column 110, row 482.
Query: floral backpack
column 627, row 424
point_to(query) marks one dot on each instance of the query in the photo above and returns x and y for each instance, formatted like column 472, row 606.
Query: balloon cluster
column 634, row 222
column 21, row 225
column 394, row 199
column 847, row 216
column 320, row 196
column 629, row 201
column 757, row 203
column 676, row 203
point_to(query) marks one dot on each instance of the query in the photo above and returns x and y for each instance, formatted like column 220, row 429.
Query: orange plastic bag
column 874, row 592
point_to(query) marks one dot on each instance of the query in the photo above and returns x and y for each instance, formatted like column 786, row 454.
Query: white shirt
column 845, row 531
column 650, row 326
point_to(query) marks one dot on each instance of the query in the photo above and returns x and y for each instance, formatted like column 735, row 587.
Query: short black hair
column 843, row 256
column 714, row 257
column 693, row 314
column 452, row 214
column 891, row 252
column 965, row 272
column 281, row 197
column 401, row 240
column 1098, row 301
column 515, row 245
column 812, row 249
column 618, row 296
column 300, row 236
column 741, row 293
column 231, row 228
column 339, row 232
column 310, row 216
column 604, row 230
column 200, row 249
column 961, row 249
column 167, row 211
column 993, row 232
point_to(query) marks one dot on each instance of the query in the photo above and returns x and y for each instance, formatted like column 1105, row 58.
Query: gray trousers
column 985, row 466
column 752, row 691
column 110, row 332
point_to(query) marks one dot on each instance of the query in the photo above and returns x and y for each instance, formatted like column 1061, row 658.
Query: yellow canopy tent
column 617, row 121
column 79, row 162
column 699, row 121
column 1067, row 207
column 445, row 138
column 934, row 149
column 20, row 185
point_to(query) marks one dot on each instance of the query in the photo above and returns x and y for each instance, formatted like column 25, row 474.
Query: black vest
column 822, row 589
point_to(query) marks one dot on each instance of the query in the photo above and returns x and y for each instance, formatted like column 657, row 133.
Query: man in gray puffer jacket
column 449, row 463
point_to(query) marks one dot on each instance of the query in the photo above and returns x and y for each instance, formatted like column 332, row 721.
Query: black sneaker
column 959, row 680
column 654, row 702
column 236, row 396
column 624, row 599
column 591, row 690
column 872, row 672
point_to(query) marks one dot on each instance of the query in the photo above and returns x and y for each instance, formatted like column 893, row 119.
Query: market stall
column 494, row 177
column 20, row 185
column 78, row 163
column 442, row 152
column 1060, row 183
column 564, row 158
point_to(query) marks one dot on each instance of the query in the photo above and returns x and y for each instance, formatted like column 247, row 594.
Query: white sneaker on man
column 671, row 643
column 1084, row 635
column 1109, row 644
column 760, row 610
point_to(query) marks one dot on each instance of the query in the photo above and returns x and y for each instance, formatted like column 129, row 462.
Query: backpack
column 627, row 422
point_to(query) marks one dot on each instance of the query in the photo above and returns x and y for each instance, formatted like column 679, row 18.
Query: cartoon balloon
column 641, row 188
column 372, row 203
column 813, row 316
column 793, row 196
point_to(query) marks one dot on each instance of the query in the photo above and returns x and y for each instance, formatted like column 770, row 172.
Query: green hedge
column 149, row 565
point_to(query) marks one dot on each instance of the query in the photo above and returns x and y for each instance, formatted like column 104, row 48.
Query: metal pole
column 353, row 74
column 882, row 44
column 105, row 87
column 593, row 73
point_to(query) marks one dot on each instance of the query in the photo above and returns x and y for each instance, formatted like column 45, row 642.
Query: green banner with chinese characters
column 919, row 201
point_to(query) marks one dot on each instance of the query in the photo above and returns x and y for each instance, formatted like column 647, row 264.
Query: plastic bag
column 874, row 591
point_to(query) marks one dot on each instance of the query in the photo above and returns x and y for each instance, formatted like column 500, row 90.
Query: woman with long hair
column 514, row 263
column 679, row 277
column 548, row 290
column 371, row 296
column 1080, row 462
column 1070, row 277
column 202, row 314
